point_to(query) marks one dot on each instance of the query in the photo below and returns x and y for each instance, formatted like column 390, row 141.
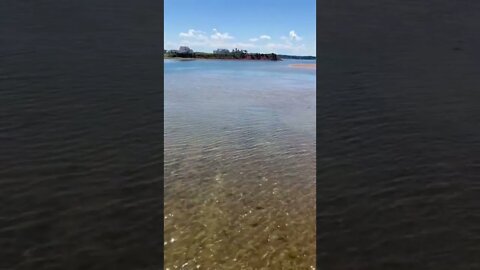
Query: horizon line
column 247, row 52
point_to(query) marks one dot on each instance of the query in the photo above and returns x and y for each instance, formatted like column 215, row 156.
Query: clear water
column 239, row 165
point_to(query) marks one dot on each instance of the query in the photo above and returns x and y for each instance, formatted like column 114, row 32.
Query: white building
column 185, row 49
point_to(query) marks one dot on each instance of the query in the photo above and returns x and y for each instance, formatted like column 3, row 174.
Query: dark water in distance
column 80, row 135
column 398, row 119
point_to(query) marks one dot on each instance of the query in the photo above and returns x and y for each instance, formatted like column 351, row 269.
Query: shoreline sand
column 304, row 66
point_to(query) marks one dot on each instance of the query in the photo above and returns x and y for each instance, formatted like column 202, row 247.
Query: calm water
column 80, row 135
column 81, row 148
column 399, row 135
column 239, row 165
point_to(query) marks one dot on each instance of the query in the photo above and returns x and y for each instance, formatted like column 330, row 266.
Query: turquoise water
column 239, row 165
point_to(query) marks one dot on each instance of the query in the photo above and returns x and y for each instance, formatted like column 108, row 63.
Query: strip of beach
column 304, row 66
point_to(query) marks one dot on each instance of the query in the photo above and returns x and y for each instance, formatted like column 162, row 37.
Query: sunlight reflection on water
column 239, row 166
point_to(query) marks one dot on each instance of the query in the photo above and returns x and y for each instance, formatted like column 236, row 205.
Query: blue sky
column 264, row 26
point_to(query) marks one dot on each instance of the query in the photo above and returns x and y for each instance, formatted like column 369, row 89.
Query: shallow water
column 239, row 165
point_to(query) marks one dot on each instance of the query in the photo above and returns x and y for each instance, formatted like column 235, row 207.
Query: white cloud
column 278, row 46
column 191, row 33
column 219, row 36
column 294, row 36
column 201, row 41
column 260, row 37
column 287, row 47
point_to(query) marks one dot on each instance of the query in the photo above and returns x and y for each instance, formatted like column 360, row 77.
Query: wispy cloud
column 294, row 36
column 289, row 44
column 215, row 44
column 192, row 33
column 220, row 36
column 286, row 47
column 255, row 39
column 216, row 39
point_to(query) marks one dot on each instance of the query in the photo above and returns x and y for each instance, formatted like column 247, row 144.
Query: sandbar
column 304, row 66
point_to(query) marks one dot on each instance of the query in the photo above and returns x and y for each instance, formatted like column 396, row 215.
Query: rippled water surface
column 80, row 135
column 239, row 165
column 399, row 133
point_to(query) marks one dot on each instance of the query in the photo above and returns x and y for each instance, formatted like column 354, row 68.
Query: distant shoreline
column 215, row 59
column 230, row 55
column 227, row 56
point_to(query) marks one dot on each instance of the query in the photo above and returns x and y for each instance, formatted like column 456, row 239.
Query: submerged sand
column 239, row 168
column 304, row 66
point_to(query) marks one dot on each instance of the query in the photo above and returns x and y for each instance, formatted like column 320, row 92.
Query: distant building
column 238, row 51
column 221, row 51
column 185, row 49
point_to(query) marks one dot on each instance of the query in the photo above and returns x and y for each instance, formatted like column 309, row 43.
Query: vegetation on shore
column 233, row 55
